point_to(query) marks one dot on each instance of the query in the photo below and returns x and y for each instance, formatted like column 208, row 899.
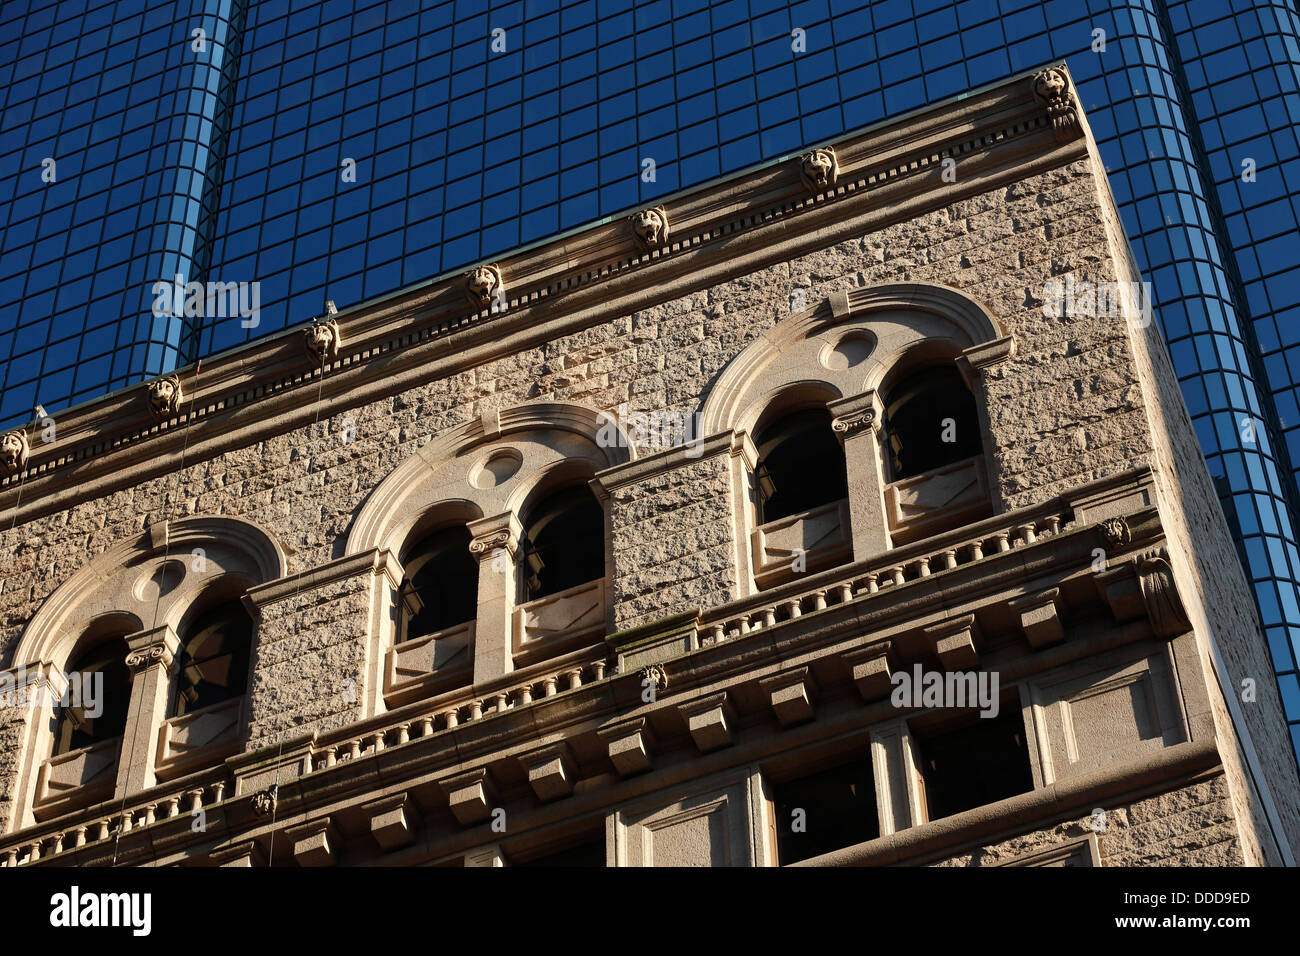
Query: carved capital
column 650, row 228
column 496, row 533
column 164, row 396
column 847, row 425
column 1114, row 533
column 482, row 285
column 1052, row 90
column 322, row 341
column 1160, row 594
column 149, row 655
column 14, row 451
column 819, row 169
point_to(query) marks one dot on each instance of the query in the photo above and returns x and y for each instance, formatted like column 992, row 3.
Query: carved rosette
column 1160, row 594
column 322, row 341
column 650, row 228
column 1114, row 533
column 1052, row 89
column 164, row 396
column 14, row 451
column 847, row 425
column 482, row 284
column 148, row 656
column 264, row 801
column 819, row 169
column 656, row 675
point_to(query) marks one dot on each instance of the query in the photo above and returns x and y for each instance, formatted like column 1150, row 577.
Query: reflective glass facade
column 341, row 149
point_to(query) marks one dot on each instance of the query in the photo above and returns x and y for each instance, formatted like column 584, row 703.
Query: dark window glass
column 100, row 707
column 564, row 543
column 214, row 658
column 825, row 811
column 800, row 465
column 930, row 421
column 443, row 575
column 978, row 763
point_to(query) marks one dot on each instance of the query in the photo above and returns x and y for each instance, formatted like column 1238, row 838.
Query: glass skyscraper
column 344, row 149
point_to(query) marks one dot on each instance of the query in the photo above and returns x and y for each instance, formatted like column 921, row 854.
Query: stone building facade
column 620, row 551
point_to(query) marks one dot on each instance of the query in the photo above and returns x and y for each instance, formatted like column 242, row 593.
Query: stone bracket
column 1040, row 617
column 393, row 820
column 315, row 843
column 1160, row 598
column 471, row 795
column 954, row 642
column 791, row 695
column 709, row 719
column 550, row 771
column 871, row 667
column 631, row 746
column 249, row 854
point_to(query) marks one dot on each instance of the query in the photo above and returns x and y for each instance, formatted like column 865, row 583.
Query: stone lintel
column 315, row 843
column 550, row 771
column 471, row 796
column 393, row 820
column 709, row 720
column 791, row 695
column 871, row 667
column 630, row 746
column 954, row 642
column 1040, row 617
column 256, row 770
column 656, row 641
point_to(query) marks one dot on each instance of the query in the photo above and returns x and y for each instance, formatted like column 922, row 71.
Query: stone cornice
column 884, row 174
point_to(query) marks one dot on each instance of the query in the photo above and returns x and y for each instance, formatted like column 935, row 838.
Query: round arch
column 488, row 468
column 155, row 578
column 844, row 346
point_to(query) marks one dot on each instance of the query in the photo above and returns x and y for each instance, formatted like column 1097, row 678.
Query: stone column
column 150, row 656
column 496, row 546
column 856, row 421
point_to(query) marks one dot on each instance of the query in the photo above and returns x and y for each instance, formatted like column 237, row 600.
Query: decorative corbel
column 322, row 340
column 1052, row 90
column 164, row 396
column 819, row 169
column 1115, row 533
column 650, row 228
column 14, row 451
column 1160, row 594
column 483, row 284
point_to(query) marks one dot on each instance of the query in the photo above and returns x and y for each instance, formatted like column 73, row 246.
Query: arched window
column 800, row 465
column 214, row 658
column 441, row 586
column 98, row 701
column 564, row 543
column 930, row 421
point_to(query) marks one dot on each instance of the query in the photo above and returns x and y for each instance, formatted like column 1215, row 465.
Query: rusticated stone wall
column 1190, row 826
column 1065, row 410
